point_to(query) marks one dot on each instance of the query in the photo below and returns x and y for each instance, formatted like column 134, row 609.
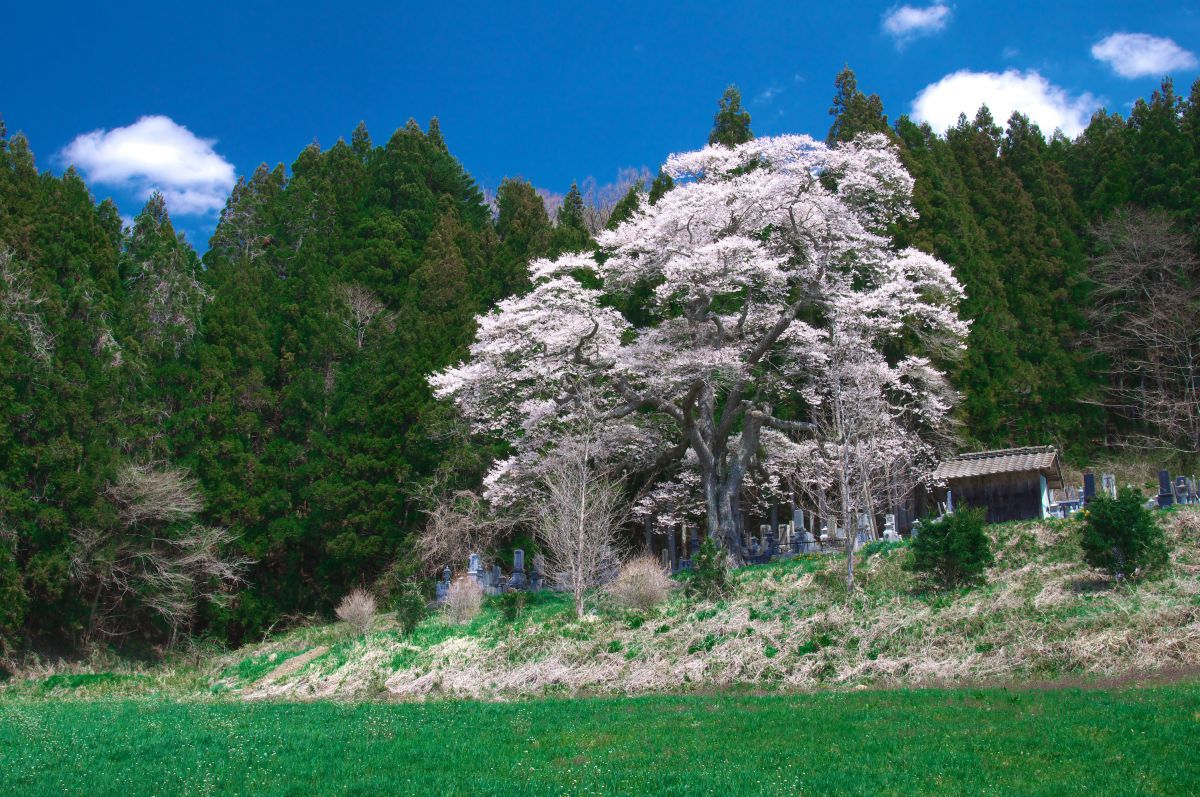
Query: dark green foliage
column 953, row 550
column 524, row 229
column 409, row 604
column 571, row 233
column 13, row 600
column 853, row 111
column 709, row 577
column 999, row 209
column 1122, row 537
column 663, row 183
column 626, row 206
column 307, row 426
column 731, row 125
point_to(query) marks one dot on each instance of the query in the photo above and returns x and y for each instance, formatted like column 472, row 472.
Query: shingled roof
column 1040, row 459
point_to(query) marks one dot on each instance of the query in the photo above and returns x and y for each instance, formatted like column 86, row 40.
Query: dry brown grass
column 1042, row 615
column 641, row 585
column 358, row 610
column 464, row 600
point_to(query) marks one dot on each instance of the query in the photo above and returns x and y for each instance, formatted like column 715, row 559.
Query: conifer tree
column 854, row 112
column 571, row 232
column 524, row 230
column 731, row 125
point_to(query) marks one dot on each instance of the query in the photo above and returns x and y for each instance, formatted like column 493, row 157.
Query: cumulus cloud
column 156, row 154
column 1048, row 105
column 1142, row 55
column 905, row 23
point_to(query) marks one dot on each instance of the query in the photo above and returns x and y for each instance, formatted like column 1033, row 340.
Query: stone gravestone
column 889, row 529
column 1183, row 493
column 539, row 572
column 768, row 540
column 517, row 581
column 1108, row 483
column 442, row 590
column 1089, row 487
column 1165, row 495
column 808, row 543
column 916, row 529
column 475, row 568
column 695, row 540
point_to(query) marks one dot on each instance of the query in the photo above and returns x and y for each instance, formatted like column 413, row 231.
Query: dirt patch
column 294, row 664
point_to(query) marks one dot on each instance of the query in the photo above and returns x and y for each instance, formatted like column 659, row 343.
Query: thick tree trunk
column 720, row 495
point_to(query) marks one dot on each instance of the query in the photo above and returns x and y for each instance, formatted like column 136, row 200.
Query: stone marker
column 889, row 529
column 808, row 543
column 1166, row 496
column 517, row 580
column 1108, row 483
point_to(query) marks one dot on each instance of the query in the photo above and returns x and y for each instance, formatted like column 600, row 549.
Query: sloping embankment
column 1042, row 614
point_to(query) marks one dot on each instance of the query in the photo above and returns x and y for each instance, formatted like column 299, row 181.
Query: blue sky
column 553, row 92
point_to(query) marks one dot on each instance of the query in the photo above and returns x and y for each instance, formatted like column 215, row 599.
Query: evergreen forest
column 225, row 444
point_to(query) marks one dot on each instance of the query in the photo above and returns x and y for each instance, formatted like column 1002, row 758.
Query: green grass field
column 1128, row 741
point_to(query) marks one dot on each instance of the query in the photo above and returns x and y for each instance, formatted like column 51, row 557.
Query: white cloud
column 1048, row 105
column 905, row 23
column 767, row 95
column 1142, row 55
column 156, row 154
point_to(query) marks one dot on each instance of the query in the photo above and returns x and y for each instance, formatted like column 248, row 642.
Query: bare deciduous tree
column 19, row 305
column 458, row 526
column 158, row 559
column 578, row 517
column 600, row 200
column 361, row 307
column 1145, row 321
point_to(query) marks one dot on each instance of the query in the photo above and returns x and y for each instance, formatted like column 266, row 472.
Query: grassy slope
column 1042, row 614
column 1060, row 742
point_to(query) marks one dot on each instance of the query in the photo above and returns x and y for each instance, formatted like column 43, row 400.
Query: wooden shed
column 1013, row 483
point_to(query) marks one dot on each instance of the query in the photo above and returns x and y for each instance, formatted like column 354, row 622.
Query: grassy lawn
column 972, row 741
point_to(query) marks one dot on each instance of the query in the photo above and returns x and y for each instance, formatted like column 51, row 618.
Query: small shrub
column 710, row 572
column 953, row 550
column 1121, row 536
column 463, row 600
column 408, row 601
column 358, row 610
column 512, row 604
column 641, row 585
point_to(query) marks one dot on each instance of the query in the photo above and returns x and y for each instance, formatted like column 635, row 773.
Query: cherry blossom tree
column 765, row 266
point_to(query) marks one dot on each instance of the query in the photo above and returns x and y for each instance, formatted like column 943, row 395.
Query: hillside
column 1042, row 615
